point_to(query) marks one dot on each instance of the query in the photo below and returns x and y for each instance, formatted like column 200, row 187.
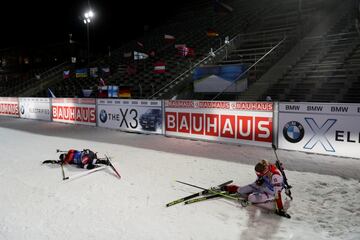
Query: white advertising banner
column 35, row 108
column 130, row 115
column 326, row 128
column 9, row 106
column 220, row 121
column 74, row 110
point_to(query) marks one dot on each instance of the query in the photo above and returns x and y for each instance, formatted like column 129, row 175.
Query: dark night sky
column 33, row 23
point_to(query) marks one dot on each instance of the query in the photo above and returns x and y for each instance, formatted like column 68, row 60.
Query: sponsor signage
column 74, row 110
column 221, row 121
column 35, row 108
column 9, row 106
column 323, row 108
column 320, row 128
column 130, row 115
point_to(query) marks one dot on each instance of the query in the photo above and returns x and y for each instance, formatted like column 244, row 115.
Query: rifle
column 279, row 166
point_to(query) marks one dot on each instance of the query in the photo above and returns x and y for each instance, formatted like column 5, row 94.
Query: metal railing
column 248, row 69
column 213, row 56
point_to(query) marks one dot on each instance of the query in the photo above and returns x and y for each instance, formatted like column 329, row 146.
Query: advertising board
column 220, row 121
column 326, row 128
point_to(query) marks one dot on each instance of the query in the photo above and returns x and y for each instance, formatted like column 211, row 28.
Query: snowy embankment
column 37, row 204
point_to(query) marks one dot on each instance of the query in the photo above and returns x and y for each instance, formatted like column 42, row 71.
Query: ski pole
column 113, row 167
column 84, row 173
column 62, row 170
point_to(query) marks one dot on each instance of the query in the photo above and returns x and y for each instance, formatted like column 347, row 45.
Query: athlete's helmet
column 62, row 157
column 261, row 169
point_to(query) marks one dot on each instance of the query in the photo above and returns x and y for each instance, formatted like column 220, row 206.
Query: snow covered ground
column 35, row 203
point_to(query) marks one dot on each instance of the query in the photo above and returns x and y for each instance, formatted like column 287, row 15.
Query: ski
column 206, row 191
column 112, row 167
column 211, row 190
column 200, row 199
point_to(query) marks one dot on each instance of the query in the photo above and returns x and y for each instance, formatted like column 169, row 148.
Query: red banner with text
column 220, row 121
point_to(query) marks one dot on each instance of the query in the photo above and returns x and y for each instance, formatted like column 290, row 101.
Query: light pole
column 87, row 19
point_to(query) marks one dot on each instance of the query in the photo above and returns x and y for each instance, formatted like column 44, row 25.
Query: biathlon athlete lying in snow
column 84, row 159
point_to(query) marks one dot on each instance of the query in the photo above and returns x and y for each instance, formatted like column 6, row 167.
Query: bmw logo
column 103, row 116
column 293, row 132
column 22, row 109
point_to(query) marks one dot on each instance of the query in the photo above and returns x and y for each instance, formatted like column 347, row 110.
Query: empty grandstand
column 293, row 50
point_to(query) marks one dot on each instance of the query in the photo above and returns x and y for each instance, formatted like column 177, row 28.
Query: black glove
column 259, row 181
column 102, row 161
column 281, row 212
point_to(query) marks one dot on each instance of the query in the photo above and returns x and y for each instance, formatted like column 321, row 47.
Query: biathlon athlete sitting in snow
column 84, row 159
column 267, row 187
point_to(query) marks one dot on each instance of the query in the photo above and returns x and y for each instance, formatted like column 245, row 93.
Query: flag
column 212, row 33
column 191, row 52
column 102, row 92
column 80, row 73
column 101, row 82
column 140, row 55
column 113, row 91
column 159, row 67
column 86, row 92
column 127, row 54
column 182, row 49
column 169, row 38
column 105, row 71
column 186, row 51
column 124, row 92
column 51, row 94
column 66, row 74
column 94, row 72
column 179, row 45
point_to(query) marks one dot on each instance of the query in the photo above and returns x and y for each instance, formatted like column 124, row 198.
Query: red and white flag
column 179, row 45
column 159, row 67
column 169, row 38
column 186, row 51
column 101, row 82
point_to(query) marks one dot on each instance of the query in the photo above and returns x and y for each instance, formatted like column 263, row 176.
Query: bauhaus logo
column 252, row 128
column 72, row 113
